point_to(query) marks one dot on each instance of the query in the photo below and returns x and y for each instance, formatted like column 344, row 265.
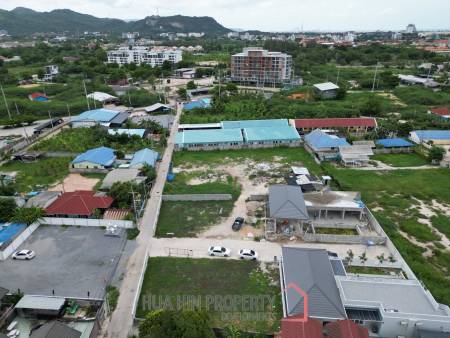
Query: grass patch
column 401, row 160
column 336, row 231
column 132, row 233
column 172, row 277
column 187, row 218
column 370, row 270
column 39, row 174
column 442, row 223
column 418, row 230
column 112, row 295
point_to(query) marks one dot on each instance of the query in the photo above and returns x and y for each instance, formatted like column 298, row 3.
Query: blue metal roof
column 98, row 115
column 433, row 134
column 102, row 155
column 209, row 136
column 394, row 143
column 254, row 123
column 288, row 133
column 144, row 156
column 318, row 139
column 200, row 103
column 129, row 132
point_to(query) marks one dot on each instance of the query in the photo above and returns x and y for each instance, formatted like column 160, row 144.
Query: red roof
column 37, row 94
column 336, row 122
column 346, row 329
column 79, row 202
column 442, row 111
column 290, row 328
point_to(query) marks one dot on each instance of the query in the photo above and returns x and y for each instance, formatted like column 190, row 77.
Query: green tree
column 27, row 215
column 182, row 92
column 122, row 193
column 436, row 154
column 40, row 73
column 149, row 172
column 191, row 85
column 7, row 208
column 180, row 324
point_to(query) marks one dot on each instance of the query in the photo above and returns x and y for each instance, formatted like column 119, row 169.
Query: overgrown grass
column 39, row 174
column 336, row 231
column 401, row 160
column 187, row 218
column 442, row 223
column 418, row 230
column 112, row 295
column 370, row 270
column 172, row 277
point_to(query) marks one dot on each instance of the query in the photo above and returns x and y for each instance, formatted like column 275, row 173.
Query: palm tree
column 350, row 256
column 363, row 258
column 392, row 259
column 381, row 258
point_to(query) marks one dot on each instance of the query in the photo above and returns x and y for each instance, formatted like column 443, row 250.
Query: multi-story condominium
column 259, row 66
column 152, row 56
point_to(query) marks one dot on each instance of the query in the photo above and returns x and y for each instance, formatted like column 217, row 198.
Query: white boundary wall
column 87, row 222
column 18, row 241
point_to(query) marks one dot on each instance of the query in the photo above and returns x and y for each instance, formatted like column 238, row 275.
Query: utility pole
column 337, row 78
column 134, row 205
column 68, row 110
column 375, row 77
column 85, row 93
column 6, row 103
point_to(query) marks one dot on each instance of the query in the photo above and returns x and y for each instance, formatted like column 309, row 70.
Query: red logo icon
column 297, row 295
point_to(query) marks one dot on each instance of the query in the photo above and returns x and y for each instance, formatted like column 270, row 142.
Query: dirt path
column 384, row 166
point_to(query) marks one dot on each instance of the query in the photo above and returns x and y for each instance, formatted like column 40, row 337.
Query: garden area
column 172, row 277
column 401, row 160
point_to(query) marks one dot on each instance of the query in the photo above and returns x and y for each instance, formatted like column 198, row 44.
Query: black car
column 237, row 225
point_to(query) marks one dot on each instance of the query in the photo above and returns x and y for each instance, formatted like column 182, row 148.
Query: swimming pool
column 10, row 231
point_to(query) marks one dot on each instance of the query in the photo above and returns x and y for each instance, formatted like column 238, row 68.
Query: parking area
column 70, row 261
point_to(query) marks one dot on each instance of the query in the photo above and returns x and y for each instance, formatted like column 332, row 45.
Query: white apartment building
column 259, row 66
column 154, row 57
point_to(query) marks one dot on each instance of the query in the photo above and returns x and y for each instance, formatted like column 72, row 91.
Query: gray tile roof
column 310, row 270
column 286, row 201
column 121, row 175
column 55, row 329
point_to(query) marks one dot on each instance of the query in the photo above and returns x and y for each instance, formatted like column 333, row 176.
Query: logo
column 296, row 296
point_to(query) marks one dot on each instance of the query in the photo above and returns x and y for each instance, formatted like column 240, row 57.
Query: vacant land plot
column 187, row 219
column 75, row 182
column 69, row 261
column 404, row 202
column 39, row 174
column 401, row 160
column 174, row 277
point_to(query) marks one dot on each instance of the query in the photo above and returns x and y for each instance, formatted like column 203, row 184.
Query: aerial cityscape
column 227, row 169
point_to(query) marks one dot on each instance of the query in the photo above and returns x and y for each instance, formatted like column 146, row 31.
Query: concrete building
column 258, row 66
column 98, row 158
column 437, row 137
column 327, row 90
column 353, row 125
column 209, row 139
column 143, row 55
column 50, row 72
column 355, row 155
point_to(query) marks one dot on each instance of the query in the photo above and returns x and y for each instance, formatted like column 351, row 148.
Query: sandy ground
column 394, row 99
column 384, row 166
column 75, row 182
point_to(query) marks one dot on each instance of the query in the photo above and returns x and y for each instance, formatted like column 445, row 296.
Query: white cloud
column 269, row 14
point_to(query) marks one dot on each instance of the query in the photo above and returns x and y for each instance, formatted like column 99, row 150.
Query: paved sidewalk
column 120, row 323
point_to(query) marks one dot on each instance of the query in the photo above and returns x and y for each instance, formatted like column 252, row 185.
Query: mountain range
column 25, row 21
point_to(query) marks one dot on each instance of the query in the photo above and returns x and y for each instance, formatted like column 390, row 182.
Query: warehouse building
column 209, row 139
column 353, row 125
column 437, row 137
column 265, row 136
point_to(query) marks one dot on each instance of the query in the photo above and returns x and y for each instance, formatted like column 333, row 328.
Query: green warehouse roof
column 287, row 133
column 209, row 136
column 254, row 124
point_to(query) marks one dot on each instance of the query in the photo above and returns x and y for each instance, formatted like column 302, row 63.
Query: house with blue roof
column 394, row 143
column 94, row 117
column 97, row 158
column 325, row 146
column 143, row 157
column 437, row 137
column 209, row 139
column 199, row 103
column 269, row 136
column 271, row 123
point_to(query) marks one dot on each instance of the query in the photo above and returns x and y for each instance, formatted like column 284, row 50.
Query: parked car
column 237, row 225
column 248, row 254
column 219, row 251
column 24, row 254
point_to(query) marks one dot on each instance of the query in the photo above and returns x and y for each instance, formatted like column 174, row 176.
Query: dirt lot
column 75, row 182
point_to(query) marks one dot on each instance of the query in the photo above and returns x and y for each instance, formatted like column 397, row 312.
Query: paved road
column 121, row 321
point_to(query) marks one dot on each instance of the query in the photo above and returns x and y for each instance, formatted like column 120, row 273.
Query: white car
column 24, row 254
column 248, row 254
column 219, row 251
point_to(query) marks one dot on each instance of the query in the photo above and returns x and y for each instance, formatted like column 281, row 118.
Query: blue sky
column 270, row 15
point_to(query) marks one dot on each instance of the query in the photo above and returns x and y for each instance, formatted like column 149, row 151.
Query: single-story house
column 325, row 146
column 97, row 158
column 38, row 97
column 121, row 175
column 43, row 199
column 33, row 306
column 354, row 125
column 143, row 157
column 327, row 90
column 185, row 73
column 209, row 139
column 355, row 155
column 94, row 117
column 102, row 97
column 78, row 204
column 200, row 103
column 437, row 137
column 54, row 329
column 394, row 143
column 158, row 108
column 119, row 120
column 416, row 80
column 286, row 135
column 129, row 132
column 310, row 271
column 443, row 112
